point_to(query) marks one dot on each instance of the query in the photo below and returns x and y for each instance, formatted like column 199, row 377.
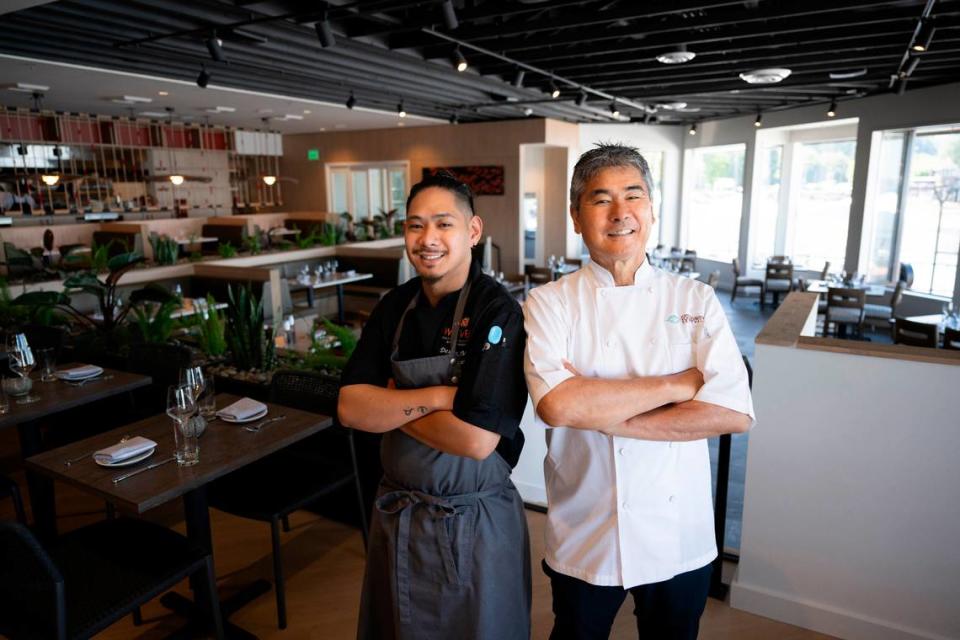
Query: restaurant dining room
column 465, row 318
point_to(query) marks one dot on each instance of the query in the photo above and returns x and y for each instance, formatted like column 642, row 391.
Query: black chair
column 92, row 577
column 778, row 279
column 273, row 488
column 915, row 334
column 9, row 488
column 740, row 280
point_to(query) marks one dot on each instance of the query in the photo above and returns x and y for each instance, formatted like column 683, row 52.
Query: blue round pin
column 495, row 334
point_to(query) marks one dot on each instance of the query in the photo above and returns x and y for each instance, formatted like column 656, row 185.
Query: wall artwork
column 484, row 181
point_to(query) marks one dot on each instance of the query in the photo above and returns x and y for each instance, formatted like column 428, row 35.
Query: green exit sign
column 313, row 154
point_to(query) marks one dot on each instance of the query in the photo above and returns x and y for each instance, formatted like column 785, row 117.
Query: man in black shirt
column 439, row 371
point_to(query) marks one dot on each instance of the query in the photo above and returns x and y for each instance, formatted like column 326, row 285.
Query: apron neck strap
column 457, row 315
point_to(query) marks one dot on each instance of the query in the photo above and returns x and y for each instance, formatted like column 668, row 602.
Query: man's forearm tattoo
column 422, row 410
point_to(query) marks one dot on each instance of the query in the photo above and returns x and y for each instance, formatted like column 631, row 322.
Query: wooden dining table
column 55, row 398
column 224, row 447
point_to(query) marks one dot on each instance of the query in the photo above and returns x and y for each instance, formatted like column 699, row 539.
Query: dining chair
column 740, row 280
column 713, row 280
column 689, row 261
column 9, row 488
column 916, row 334
column 537, row 275
column 844, row 308
column 291, row 479
column 92, row 577
column 951, row 338
column 779, row 259
column 778, row 279
column 880, row 314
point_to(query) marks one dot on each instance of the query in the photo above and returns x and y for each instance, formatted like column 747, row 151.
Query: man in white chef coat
column 630, row 369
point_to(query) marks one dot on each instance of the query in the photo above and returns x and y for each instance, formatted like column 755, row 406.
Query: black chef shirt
column 492, row 390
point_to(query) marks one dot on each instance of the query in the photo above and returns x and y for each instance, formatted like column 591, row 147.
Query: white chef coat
column 623, row 511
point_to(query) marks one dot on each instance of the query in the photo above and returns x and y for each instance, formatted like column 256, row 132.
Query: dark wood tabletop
column 224, row 447
column 59, row 396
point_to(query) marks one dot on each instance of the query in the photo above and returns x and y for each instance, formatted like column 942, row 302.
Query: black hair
column 606, row 155
column 446, row 181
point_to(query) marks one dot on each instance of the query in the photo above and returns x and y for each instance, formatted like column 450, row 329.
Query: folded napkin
column 77, row 373
column 123, row 450
column 242, row 409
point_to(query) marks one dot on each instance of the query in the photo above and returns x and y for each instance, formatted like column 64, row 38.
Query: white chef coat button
column 653, row 341
column 670, row 445
column 649, row 289
column 609, row 342
column 671, row 498
column 623, row 451
column 625, row 505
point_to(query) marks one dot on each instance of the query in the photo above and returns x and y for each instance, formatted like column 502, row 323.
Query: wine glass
column 21, row 361
column 181, row 405
column 192, row 377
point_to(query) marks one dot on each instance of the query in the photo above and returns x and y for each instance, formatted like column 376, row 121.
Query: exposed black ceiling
column 386, row 53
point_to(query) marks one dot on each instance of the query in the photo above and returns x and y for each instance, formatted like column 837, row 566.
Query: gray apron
column 449, row 552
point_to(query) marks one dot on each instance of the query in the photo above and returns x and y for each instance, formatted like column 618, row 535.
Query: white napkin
column 242, row 409
column 77, row 373
column 123, row 450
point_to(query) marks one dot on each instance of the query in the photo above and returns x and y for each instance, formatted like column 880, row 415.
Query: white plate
column 127, row 461
column 250, row 419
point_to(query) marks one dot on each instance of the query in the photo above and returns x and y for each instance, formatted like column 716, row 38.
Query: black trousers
column 665, row 610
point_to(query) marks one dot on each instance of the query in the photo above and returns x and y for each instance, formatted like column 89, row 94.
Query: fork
column 80, row 383
column 260, row 425
column 70, row 461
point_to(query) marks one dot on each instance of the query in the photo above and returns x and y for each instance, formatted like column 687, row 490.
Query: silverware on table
column 130, row 474
column 70, row 461
column 80, row 383
column 260, row 425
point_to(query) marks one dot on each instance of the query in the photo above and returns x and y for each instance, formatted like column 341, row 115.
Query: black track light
column 647, row 117
column 400, row 110
column 693, row 129
column 759, row 121
column 351, row 101
column 215, row 47
column 454, row 119
column 325, row 32
column 614, row 110
column 204, row 78
column 901, row 86
column 924, row 37
column 449, row 15
column 582, row 99
column 459, row 62
column 554, row 90
column 832, row 110
column 518, row 79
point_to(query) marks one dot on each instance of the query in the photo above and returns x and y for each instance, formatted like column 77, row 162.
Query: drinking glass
column 21, row 361
column 48, row 364
column 193, row 377
column 208, row 400
column 180, row 406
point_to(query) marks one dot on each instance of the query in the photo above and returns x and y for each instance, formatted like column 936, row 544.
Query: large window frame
column 379, row 193
column 691, row 176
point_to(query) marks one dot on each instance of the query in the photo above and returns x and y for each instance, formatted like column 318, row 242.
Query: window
column 766, row 206
column 819, row 209
column 655, row 162
column 712, row 212
column 914, row 212
column 365, row 190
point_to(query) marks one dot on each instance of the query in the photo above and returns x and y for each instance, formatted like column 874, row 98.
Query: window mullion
column 905, row 166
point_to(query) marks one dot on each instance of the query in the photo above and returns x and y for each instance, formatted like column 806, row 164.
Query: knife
column 124, row 476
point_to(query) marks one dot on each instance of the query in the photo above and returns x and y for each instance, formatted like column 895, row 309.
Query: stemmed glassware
column 181, row 405
column 192, row 377
column 21, row 363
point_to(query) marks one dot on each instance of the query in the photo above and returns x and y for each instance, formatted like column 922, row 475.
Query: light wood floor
column 324, row 563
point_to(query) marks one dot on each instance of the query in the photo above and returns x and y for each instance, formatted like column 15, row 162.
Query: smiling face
column 438, row 234
column 615, row 216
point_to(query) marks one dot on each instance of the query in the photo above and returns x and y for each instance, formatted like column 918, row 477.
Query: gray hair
column 606, row 155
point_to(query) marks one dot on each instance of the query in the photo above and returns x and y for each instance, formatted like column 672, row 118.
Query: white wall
column 851, row 516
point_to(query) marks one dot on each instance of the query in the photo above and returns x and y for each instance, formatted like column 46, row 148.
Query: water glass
column 208, row 400
column 180, row 406
column 48, row 364
column 21, row 362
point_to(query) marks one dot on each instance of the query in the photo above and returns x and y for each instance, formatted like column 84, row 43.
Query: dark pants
column 665, row 610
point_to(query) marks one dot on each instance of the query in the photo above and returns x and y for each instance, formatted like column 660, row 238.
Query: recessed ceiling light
column 163, row 93
column 25, row 87
column 306, row 112
column 672, row 106
column 679, row 55
column 765, row 76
